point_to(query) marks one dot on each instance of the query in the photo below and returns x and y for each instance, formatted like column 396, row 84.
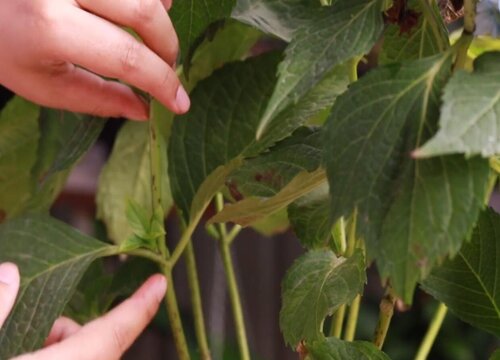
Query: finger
column 62, row 329
column 118, row 55
column 167, row 4
column 9, row 286
column 111, row 335
column 68, row 87
column 147, row 17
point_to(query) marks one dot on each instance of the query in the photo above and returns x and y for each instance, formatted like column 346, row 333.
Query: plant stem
column 467, row 35
column 352, row 319
column 235, row 300
column 148, row 254
column 185, row 239
column 175, row 318
column 225, row 241
column 430, row 336
column 338, row 322
column 385, row 316
column 194, row 287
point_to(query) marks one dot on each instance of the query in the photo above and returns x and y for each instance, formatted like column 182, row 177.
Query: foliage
column 391, row 168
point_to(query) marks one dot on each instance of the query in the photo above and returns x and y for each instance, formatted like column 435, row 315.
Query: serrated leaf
column 313, row 288
column 412, row 213
column 127, row 175
column 310, row 218
column 469, row 284
column 347, row 29
column 335, row 349
column 18, row 148
column 219, row 127
column 138, row 218
column 419, row 41
column 266, row 174
column 191, row 17
column 254, row 208
column 52, row 258
column 470, row 116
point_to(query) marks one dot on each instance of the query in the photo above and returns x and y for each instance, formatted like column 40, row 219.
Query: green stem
column 467, row 35
column 338, row 322
column 470, row 16
column 225, row 241
column 385, row 316
column 339, row 237
column 185, row 239
column 235, row 300
column 428, row 12
column 430, row 336
column 148, row 254
column 352, row 319
column 175, row 318
column 194, row 287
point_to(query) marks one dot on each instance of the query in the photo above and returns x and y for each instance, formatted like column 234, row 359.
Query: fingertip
column 182, row 100
column 167, row 4
column 157, row 286
column 9, row 274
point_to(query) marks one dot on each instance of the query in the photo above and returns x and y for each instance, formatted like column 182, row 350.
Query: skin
column 107, row 337
column 57, row 53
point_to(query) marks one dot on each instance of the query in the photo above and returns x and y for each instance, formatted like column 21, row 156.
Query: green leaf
column 268, row 173
column 138, row 218
column 412, row 213
column 335, row 349
column 469, row 284
column 470, row 116
column 418, row 42
column 310, row 218
column 127, row 176
column 219, row 128
column 231, row 43
column 252, row 209
column 191, row 17
column 18, row 150
column 313, row 288
column 348, row 29
column 495, row 355
column 276, row 17
column 64, row 138
column 52, row 258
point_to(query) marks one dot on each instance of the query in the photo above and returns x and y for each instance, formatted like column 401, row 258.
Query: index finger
column 111, row 335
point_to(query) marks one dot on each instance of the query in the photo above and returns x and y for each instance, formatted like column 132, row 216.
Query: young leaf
column 18, row 150
column 335, row 349
column 313, row 288
column 219, row 128
column 252, row 209
column 52, row 258
column 470, row 116
column 469, row 284
column 191, row 17
column 310, row 218
column 127, row 175
column 419, row 40
column 347, row 29
column 411, row 213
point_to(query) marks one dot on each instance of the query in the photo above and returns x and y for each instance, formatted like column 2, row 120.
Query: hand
column 52, row 51
column 105, row 338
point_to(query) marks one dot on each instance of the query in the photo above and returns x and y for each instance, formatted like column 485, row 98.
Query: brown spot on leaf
column 302, row 350
column 400, row 15
column 233, row 190
column 3, row 216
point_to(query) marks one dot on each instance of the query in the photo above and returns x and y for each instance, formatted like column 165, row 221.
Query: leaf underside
column 335, row 349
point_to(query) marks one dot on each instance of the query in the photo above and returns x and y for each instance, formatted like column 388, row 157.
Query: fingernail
column 8, row 273
column 182, row 99
column 159, row 287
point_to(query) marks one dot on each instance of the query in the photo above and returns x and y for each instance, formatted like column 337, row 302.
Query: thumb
column 9, row 286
